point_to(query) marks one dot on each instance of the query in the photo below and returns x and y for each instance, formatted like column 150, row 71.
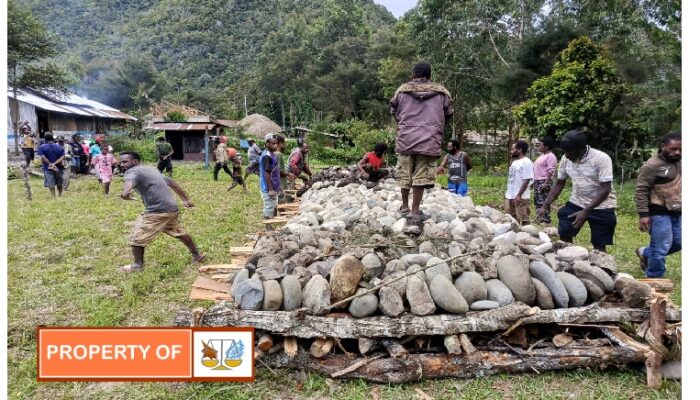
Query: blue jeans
column 665, row 238
column 458, row 188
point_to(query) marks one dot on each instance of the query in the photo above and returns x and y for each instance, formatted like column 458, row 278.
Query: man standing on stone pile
column 592, row 195
column 421, row 108
column 298, row 165
column 520, row 175
column 658, row 199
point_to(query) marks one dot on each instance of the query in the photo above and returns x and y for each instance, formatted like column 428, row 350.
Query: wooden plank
column 222, row 277
column 241, row 251
column 661, row 285
column 292, row 323
column 214, row 267
column 203, row 294
column 657, row 326
column 210, row 284
column 276, row 220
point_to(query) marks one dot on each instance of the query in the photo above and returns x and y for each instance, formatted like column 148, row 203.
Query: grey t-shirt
column 151, row 186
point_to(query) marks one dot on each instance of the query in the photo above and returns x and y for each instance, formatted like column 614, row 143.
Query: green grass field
column 62, row 262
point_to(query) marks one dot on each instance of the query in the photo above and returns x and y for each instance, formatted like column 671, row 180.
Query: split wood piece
column 276, row 220
column 292, row 323
column 466, row 344
column 452, row 344
column 395, row 349
column 480, row 363
column 197, row 316
column 356, row 365
column 210, row 284
column 657, row 326
column 661, row 285
column 322, row 346
column 241, row 251
column 366, row 345
column 288, row 213
column 625, row 341
column 265, row 342
column 203, row 294
column 216, row 267
column 225, row 278
column 290, row 346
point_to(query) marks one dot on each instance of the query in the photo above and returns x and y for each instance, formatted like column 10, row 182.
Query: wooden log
column 322, row 346
column 657, row 326
column 25, row 180
column 480, row 363
column 395, row 349
column 265, row 342
column 292, row 323
column 366, row 345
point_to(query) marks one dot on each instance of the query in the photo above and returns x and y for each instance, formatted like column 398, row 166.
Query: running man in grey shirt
column 161, row 213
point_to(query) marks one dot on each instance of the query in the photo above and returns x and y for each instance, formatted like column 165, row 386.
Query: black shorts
column 165, row 165
column 28, row 153
column 602, row 223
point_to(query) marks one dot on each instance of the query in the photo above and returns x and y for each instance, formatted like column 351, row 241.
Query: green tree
column 28, row 44
column 583, row 90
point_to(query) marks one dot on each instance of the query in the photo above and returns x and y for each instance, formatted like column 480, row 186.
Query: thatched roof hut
column 259, row 125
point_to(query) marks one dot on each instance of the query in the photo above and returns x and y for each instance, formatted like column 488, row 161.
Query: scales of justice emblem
column 232, row 358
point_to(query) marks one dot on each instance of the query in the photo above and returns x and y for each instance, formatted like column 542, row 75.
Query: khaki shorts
column 148, row 225
column 416, row 170
column 519, row 210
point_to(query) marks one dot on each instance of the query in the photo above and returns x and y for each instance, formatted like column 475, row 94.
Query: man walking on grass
column 221, row 156
column 52, row 162
column 165, row 152
column 658, row 199
column 421, row 109
column 67, row 159
column 592, row 195
column 520, row 175
column 161, row 214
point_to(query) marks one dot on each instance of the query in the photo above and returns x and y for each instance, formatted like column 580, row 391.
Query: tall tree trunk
column 14, row 110
column 283, row 116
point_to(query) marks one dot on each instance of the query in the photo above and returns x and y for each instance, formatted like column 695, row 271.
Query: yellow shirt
column 28, row 142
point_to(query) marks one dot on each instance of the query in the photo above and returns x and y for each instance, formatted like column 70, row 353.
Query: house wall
column 27, row 112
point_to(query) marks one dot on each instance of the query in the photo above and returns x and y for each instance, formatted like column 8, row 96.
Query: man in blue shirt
column 270, row 184
column 52, row 162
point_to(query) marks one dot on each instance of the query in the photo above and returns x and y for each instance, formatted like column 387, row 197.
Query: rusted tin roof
column 180, row 126
column 68, row 104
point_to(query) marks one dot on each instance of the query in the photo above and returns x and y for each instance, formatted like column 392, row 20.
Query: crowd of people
column 421, row 109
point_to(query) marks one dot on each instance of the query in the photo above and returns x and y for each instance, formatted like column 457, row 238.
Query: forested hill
column 206, row 53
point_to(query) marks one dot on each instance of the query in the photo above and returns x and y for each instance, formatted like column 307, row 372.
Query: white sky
column 397, row 7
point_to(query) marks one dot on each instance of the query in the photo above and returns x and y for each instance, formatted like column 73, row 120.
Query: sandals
column 197, row 260
column 420, row 217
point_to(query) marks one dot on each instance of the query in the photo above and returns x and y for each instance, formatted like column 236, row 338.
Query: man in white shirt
column 592, row 195
column 520, row 176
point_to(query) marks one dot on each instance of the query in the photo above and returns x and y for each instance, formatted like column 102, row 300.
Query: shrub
column 146, row 147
